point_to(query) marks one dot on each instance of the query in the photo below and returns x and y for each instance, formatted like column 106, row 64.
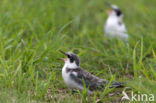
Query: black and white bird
column 114, row 26
column 75, row 77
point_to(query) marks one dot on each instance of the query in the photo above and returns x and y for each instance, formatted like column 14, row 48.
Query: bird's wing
column 123, row 27
column 80, row 76
column 93, row 83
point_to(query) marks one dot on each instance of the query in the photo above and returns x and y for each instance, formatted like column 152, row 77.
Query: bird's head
column 72, row 59
column 114, row 11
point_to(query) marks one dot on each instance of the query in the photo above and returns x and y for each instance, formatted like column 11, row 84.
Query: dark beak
column 63, row 52
column 108, row 4
column 64, row 59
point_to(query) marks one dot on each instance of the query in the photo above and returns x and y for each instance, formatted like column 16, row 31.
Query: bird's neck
column 113, row 18
column 71, row 65
column 113, row 21
column 68, row 66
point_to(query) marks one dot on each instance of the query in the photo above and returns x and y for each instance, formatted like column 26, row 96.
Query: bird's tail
column 116, row 84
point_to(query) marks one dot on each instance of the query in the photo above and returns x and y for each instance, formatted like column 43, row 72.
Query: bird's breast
column 67, row 78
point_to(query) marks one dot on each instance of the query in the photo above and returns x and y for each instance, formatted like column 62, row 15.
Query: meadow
column 33, row 31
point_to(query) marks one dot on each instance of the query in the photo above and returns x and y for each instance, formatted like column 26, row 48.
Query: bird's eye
column 118, row 12
column 71, row 59
column 68, row 56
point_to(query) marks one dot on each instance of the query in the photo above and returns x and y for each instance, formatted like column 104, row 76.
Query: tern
column 114, row 26
column 75, row 77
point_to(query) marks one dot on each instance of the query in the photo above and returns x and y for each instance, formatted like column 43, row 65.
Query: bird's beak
column 64, row 59
column 109, row 5
column 63, row 52
column 109, row 11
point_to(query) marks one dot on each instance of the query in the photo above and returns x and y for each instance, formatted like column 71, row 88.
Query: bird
column 114, row 26
column 75, row 77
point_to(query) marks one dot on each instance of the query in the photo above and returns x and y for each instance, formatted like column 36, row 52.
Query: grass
column 33, row 31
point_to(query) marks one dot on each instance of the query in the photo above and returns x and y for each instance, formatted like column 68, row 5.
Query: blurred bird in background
column 114, row 26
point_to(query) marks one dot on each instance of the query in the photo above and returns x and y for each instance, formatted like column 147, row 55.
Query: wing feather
column 90, row 80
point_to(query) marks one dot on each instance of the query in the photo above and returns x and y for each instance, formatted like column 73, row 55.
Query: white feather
column 66, row 76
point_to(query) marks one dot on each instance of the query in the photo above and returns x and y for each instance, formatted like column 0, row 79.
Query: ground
column 33, row 31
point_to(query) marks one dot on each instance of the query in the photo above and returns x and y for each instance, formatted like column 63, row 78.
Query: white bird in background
column 114, row 27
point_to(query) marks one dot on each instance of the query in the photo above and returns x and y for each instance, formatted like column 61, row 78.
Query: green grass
column 33, row 31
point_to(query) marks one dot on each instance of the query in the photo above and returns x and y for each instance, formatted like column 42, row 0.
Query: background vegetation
column 33, row 31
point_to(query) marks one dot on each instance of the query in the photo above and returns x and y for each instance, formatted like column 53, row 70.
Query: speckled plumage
column 75, row 77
